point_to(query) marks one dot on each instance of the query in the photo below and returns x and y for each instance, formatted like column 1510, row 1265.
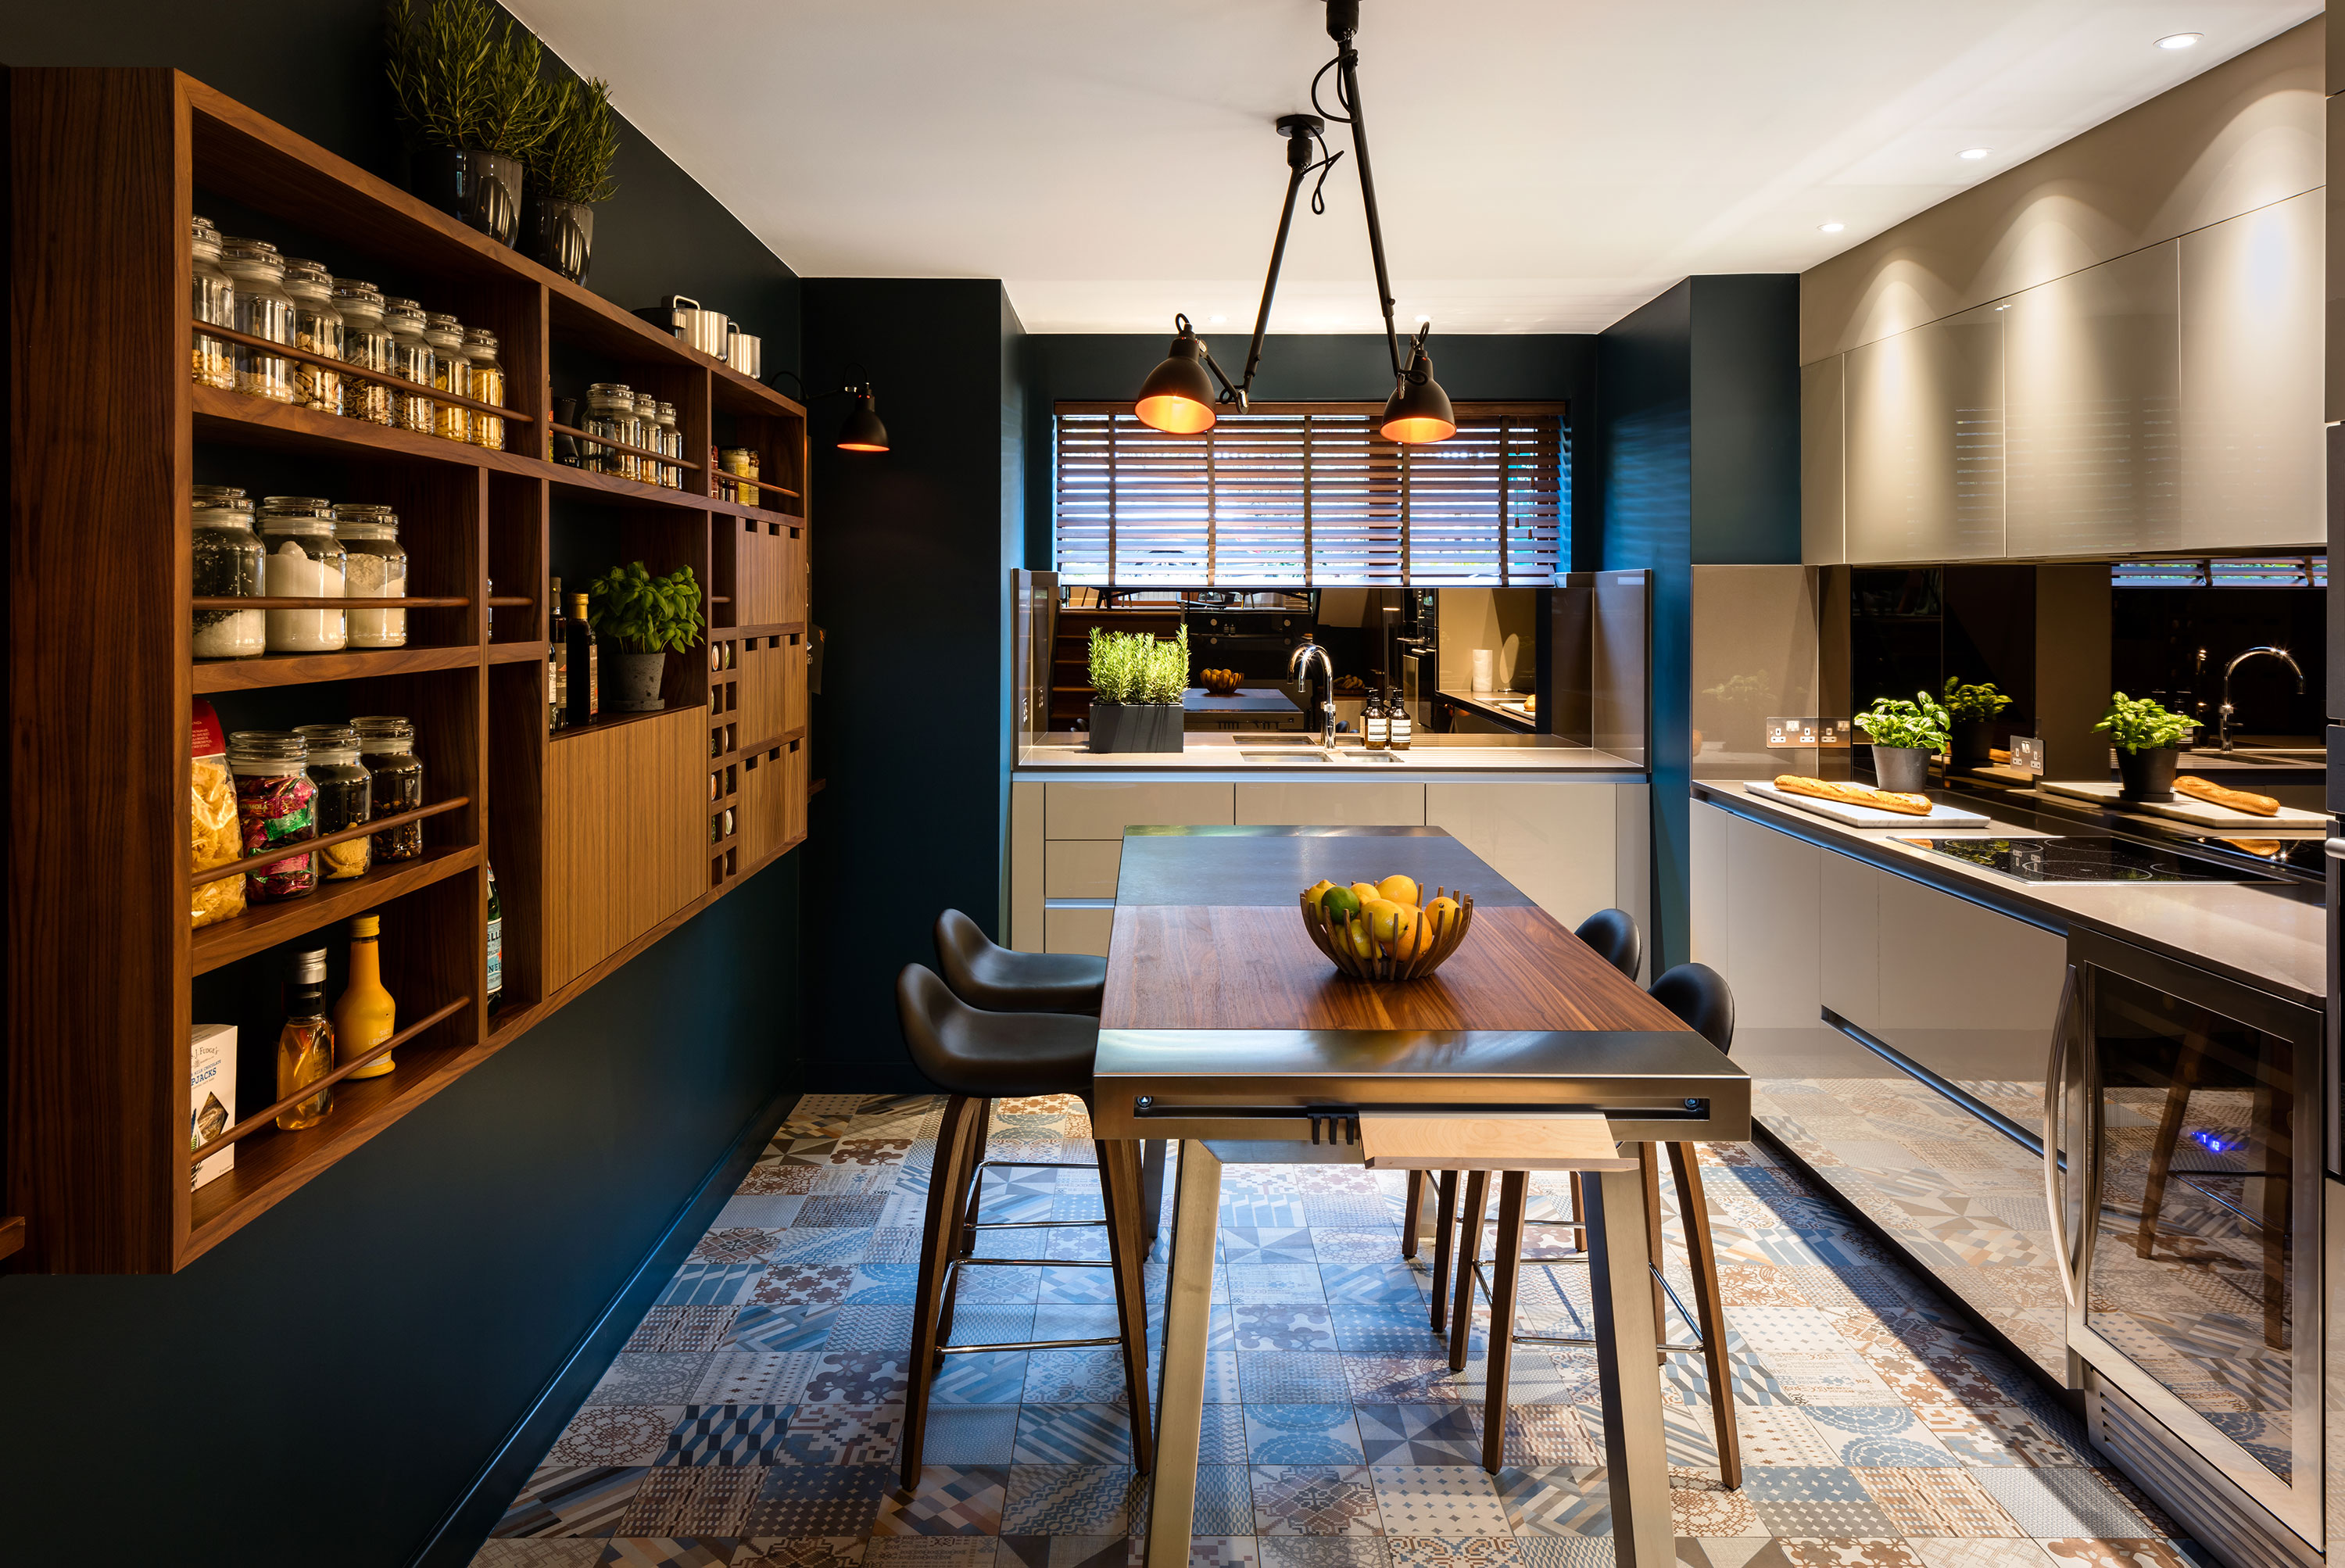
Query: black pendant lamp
column 862, row 431
column 1179, row 395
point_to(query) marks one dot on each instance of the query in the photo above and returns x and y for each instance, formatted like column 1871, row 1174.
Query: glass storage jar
column 343, row 794
column 395, row 779
column 263, row 310
column 304, row 561
column 671, row 440
column 451, row 372
column 214, row 302
column 647, row 436
column 488, row 386
column 366, row 343
column 275, row 804
column 410, row 358
column 227, row 565
column 609, row 411
column 317, row 326
column 377, row 569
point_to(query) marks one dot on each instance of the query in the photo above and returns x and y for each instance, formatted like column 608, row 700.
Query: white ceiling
column 1541, row 165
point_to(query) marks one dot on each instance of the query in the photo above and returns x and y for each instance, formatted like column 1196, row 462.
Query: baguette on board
column 2199, row 789
column 1853, row 794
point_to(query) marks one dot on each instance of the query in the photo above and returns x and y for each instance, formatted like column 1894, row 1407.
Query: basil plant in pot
column 465, row 80
column 1903, row 734
column 649, row 617
column 2149, row 737
column 569, row 173
column 1971, row 710
column 1139, row 682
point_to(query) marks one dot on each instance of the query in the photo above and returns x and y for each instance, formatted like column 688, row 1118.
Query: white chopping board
column 1941, row 815
column 2206, row 813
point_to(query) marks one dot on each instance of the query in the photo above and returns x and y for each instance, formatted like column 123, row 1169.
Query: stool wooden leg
column 1693, row 1208
column 972, row 1187
column 2161, row 1145
column 1445, row 1240
column 972, row 1140
column 1469, row 1252
column 1649, row 1168
column 1503, row 1274
column 1120, row 1185
column 1412, row 1210
column 938, row 1237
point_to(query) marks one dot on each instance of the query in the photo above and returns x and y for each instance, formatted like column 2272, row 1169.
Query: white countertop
column 2273, row 935
column 1217, row 752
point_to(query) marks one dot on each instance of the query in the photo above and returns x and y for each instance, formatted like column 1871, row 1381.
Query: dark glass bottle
column 584, row 685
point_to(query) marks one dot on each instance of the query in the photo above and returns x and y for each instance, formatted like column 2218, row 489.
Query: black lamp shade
column 1178, row 396
column 862, row 431
column 1418, row 411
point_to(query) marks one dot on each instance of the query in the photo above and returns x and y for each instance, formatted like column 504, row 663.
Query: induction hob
column 2083, row 857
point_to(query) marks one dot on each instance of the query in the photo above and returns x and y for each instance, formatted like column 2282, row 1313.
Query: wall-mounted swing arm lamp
column 1178, row 396
column 861, row 430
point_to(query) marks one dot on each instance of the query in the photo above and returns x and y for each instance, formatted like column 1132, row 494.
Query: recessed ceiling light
column 1831, row 228
column 2180, row 40
column 1975, row 153
column 1217, row 321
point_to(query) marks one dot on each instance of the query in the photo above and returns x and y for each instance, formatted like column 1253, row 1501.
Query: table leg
column 1636, row 1457
column 1188, row 1313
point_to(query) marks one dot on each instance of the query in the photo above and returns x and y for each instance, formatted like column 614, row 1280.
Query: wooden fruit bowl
column 1220, row 682
column 1384, row 962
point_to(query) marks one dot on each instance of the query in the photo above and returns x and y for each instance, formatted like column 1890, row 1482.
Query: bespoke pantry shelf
column 603, row 839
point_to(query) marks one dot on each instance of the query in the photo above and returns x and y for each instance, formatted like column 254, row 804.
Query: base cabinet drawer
column 1103, row 810
column 1081, row 868
column 1366, row 804
column 1078, row 930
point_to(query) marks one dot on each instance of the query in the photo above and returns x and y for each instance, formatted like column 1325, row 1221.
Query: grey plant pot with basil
column 570, row 173
column 645, row 619
column 2149, row 737
column 465, row 79
column 1904, row 734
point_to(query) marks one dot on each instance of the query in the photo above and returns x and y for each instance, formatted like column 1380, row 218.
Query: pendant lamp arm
column 1343, row 20
column 1300, row 130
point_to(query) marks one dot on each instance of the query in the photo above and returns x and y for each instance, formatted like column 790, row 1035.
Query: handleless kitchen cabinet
column 1574, row 850
column 1370, row 803
column 1925, row 433
column 1823, row 526
column 2252, row 466
column 2090, row 363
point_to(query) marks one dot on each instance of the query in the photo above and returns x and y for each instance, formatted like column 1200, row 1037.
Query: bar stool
column 977, row 1057
column 1613, row 935
column 1697, row 995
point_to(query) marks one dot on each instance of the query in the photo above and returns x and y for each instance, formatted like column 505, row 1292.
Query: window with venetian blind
column 1308, row 494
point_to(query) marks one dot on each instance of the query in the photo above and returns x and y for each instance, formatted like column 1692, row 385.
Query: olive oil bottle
column 305, row 1045
column 364, row 1014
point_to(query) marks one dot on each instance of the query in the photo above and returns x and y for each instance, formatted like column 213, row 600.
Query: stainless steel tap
column 2223, row 714
column 1298, row 668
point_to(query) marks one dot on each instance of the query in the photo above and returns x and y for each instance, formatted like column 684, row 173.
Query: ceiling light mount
column 1179, row 398
column 2180, row 40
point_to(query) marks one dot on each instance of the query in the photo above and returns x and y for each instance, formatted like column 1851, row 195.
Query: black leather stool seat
column 993, row 1055
column 1002, row 981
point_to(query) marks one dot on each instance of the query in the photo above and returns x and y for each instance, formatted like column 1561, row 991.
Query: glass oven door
column 2197, row 1213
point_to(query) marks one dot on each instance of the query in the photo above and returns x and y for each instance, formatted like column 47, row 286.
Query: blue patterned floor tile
column 989, row 1377
column 1814, row 1500
column 825, row 1246
column 1267, row 1244
column 1075, row 1377
column 841, row 1435
column 780, row 1327
column 1248, row 1213
column 951, row 1499
column 1556, row 1500
column 1221, row 1382
column 1074, row 1434
column 1000, row 1286
column 727, row 1435
column 1070, row 1499
column 1281, row 1325
column 1293, row 1377
column 971, row 1434
column 1222, row 1440
column 2060, row 1501
column 861, row 1328
column 1373, row 1284
column 1314, row 1499
column 711, row 1284
column 1273, row 1282
column 1418, row 1434
column 1077, row 1287
column 884, row 1284
column 798, row 1500
column 1879, row 1437
column 1224, row 1501
column 1302, row 1434
column 857, row 1377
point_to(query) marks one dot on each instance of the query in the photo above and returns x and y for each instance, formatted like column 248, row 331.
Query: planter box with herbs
column 1140, row 683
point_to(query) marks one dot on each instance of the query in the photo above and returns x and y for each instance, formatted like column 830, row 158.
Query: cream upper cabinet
column 1923, row 427
column 2252, row 311
column 1820, row 522
column 2091, row 391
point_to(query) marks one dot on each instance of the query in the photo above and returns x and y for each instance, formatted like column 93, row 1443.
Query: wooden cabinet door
column 627, row 834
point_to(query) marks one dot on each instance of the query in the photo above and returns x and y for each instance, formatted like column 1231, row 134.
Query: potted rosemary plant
column 465, row 79
column 2149, row 737
column 1972, row 710
column 1139, row 682
column 569, row 173
column 1903, row 734
column 649, row 617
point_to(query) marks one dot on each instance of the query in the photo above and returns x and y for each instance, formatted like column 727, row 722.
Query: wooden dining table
column 1225, row 1027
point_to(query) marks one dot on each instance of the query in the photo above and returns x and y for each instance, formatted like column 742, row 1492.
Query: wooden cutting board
column 2182, row 807
column 1941, row 815
column 1569, row 1142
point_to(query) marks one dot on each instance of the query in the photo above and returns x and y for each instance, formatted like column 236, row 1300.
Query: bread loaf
column 1853, row 794
column 2199, row 789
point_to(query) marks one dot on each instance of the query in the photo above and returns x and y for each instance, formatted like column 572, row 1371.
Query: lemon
column 1400, row 889
column 1395, row 926
column 1440, row 915
column 1362, row 946
column 1316, row 891
column 1364, row 891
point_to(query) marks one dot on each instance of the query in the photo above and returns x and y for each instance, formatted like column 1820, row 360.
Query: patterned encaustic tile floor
column 752, row 1419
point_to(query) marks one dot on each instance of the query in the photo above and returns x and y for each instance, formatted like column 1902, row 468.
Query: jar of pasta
column 214, row 838
column 343, row 799
column 318, row 327
column 451, row 372
column 410, row 358
column 609, row 411
column 263, row 310
column 367, row 344
column 214, row 302
column 488, row 386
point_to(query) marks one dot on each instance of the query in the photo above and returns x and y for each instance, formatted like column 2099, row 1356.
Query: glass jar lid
column 358, row 298
column 205, row 237
column 329, row 743
column 295, row 506
column 611, row 392
column 403, row 313
column 219, row 495
column 667, row 413
column 438, row 324
column 646, row 406
column 266, row 746
column 365, row 522
column 253, row 255
column 307, row 277
column 481, row 339
column 384, row 732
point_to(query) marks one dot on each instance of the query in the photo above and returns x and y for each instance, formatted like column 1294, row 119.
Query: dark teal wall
column 1350, row 367
column 335, row 1382
column 912, row 552
column 1700, row 429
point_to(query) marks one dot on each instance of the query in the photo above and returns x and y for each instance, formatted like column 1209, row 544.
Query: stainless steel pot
column 744, row 352
column 682, row 315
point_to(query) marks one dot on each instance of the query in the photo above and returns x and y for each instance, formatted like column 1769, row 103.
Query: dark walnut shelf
column 306, row 669
column 262, row 926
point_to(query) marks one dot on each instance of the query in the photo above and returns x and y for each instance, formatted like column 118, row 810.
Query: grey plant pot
column 635, row 681
column 1904, row 770
column 561, row 236
column 1136, row 726
column 2147, row 776
column 482, row 189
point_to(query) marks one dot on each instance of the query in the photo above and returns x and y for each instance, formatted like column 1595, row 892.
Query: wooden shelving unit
column 603, row 839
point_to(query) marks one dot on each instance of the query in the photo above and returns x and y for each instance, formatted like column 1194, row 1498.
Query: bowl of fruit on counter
column 1386, row 929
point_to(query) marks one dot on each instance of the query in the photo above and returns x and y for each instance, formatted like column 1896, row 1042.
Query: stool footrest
column 1028, row 1345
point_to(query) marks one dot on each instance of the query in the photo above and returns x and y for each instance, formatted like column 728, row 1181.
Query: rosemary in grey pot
column 569, row 174
column 465, row 78
column 1139, row 682
column 1903, row 734
column 2149, row 737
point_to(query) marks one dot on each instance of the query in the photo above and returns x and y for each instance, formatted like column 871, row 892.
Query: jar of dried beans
column 395, row 777
column 214, row 302
column 343, row 797
column 366, row 343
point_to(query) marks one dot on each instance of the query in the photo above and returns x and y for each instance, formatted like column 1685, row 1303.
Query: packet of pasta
column 213, row 837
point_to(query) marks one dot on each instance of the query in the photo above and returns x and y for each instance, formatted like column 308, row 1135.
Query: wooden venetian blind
column 1307, row 494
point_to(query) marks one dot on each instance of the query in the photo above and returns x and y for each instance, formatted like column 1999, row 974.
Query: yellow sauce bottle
column 364, row 1014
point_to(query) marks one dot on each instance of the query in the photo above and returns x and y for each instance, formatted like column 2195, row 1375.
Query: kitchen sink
column 1344, row 760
